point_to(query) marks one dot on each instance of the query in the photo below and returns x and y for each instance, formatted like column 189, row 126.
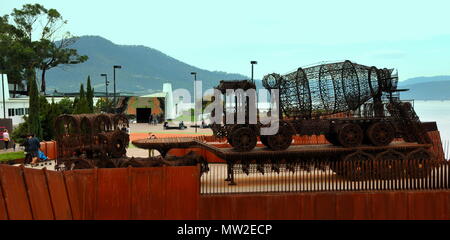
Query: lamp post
column 195, row 98
column 3, row 86
column 3, row 92
column 252, row 63
column 114, row 71
column 106, row 83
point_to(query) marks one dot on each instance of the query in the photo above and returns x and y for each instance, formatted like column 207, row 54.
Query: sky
column 411, row 36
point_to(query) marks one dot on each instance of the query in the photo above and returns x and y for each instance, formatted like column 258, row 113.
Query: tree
column 34, row 122
column 66, row 106
column 52, row 111
column 82, row 104
column 57, row 53
column 15, row 55
column 90, row 95
column 103, row 105
column 28, row 51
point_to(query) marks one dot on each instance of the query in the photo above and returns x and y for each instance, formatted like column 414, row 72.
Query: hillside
column 439, row 90
column 426, row 88
column 416, row 80
column 144, row 70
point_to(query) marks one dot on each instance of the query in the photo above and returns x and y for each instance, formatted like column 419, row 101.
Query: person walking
column 6, row 138
column 32, row 148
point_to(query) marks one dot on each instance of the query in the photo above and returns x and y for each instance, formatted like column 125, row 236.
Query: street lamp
column 106, row 83
column 195, row 105
column 3, row 87
column 252, row 63
column 114, row 70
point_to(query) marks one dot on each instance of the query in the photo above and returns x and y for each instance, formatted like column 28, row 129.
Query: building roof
column 158, row 94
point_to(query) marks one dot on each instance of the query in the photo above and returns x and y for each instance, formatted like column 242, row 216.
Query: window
column 11, row 112
column 26, row 111
column 19, row 111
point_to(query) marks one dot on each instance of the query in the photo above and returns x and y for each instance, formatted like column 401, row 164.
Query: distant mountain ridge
column 416, row 80
column 144, row 69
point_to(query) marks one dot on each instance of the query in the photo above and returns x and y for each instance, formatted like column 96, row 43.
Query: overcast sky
column 412, row 36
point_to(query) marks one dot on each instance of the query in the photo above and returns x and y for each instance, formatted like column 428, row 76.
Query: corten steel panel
column 352, row 206
column 283, row 207
column 38, row 194
column 363, row 206
column 251, row 207
column 52, row 150
column 44, row 148
column 388, row 205
column 113, row 195
column 379, row 206
column 148, row 195
column 434, row 206
column 398, row 208
column 15, row 193
column 182, row 192
column 216, row 208
column 81, row 187
column 325, row 206
column 307, row 209
column 442, row 205
column 59, row 195
column 3, row 212
column 423, row 206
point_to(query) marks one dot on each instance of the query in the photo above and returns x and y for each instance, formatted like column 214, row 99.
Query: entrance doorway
column 143, row 114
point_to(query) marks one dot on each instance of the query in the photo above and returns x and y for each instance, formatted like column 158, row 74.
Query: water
column 438, row 111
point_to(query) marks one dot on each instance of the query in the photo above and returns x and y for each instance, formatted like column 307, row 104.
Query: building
column 17, row 108
column 13, row 108
column 160, row 105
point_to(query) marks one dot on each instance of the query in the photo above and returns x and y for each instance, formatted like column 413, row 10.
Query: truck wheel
column 331, row 138
column 282, row 140
column 350, row 135
column 380, row 134
column 243, row 139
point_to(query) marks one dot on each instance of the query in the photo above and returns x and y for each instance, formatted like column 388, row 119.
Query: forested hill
column 143, row 70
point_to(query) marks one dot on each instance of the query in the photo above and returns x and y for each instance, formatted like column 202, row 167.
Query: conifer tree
column 34, row 122
column 90, row 95
column 82, row 104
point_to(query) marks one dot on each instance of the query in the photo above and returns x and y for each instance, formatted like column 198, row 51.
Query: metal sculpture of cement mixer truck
column 310, row 97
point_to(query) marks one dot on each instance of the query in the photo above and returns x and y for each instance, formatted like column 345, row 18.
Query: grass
column 185, row 118
column 11, row 156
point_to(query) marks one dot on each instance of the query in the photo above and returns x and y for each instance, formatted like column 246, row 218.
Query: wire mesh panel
column 382, row 173
column 329, row 88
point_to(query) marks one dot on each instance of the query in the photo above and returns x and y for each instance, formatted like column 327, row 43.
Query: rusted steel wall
column 328, row 206
column 49, row 149
column 127, row 193
column 173, row 193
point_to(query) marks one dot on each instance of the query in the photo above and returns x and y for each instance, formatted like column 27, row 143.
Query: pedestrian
column 6, row 138
column 32, row 148
column 150, row 119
